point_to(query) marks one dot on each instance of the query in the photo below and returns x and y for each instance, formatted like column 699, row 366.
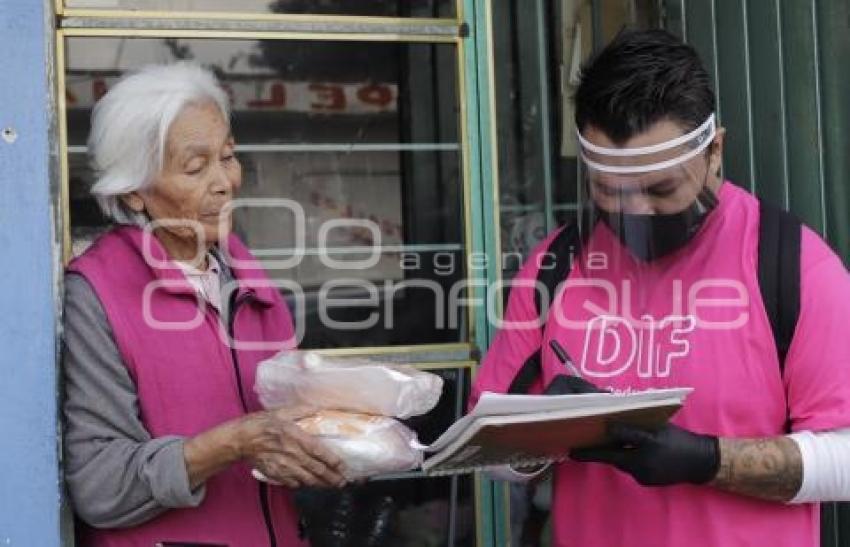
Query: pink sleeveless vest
column 187, row 380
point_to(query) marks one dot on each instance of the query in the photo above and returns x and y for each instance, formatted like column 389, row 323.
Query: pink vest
column 177, row 355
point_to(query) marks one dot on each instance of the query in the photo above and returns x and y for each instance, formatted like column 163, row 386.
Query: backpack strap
column 554, row 268
column 779, row 274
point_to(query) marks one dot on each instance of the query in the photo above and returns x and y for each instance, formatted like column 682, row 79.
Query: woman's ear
column 716, row 154
column 134, row 202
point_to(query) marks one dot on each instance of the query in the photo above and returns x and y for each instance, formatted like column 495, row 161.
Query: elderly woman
column 166, row 318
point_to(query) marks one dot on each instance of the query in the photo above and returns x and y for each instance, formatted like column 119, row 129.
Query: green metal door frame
column 480, row 109
column 481, row 119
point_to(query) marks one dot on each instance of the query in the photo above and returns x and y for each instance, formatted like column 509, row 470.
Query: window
column 323, row 134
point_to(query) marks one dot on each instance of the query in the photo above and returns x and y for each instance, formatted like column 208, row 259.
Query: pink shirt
column 694, row 318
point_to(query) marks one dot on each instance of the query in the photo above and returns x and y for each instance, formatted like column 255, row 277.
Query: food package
column 305, row 378
column 368, row 445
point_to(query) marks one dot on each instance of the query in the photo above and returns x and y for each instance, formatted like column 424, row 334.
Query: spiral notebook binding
column 524, row 461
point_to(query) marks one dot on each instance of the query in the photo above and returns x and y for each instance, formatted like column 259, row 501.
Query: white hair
column 130, row 125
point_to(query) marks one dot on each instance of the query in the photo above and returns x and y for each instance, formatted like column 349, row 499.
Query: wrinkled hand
column 282, row 452
column 669, row 455
column 569, row 385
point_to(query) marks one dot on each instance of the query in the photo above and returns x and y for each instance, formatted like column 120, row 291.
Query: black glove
column 570, row 385
column 669, row 455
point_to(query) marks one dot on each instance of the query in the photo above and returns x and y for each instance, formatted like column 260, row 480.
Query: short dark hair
column 640, row 78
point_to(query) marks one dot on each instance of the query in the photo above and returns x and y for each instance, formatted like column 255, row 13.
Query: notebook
column 526, row 430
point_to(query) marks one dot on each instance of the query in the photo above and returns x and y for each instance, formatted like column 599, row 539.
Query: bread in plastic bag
column 295, row 377
column 368, row 445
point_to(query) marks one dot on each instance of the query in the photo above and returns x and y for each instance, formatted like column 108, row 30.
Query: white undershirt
column 206, row 283
column 826, row 465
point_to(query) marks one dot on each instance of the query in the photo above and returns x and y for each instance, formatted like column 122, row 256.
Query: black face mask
column 649, row 237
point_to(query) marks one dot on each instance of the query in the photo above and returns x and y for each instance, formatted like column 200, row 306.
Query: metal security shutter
column 777, row 67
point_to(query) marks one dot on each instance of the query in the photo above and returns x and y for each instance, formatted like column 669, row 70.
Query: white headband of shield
column 695, row 142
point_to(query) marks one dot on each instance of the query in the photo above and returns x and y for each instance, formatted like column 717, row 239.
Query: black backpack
column 778, row 273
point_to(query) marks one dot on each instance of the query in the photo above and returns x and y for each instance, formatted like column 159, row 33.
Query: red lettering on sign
column 378, row 95
column 276, row 100
column 332, row 97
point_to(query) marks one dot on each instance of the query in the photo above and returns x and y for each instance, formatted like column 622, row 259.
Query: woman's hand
column 280, row 450
column 272, row 442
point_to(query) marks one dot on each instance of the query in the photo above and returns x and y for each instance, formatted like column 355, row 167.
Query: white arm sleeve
column 826, row 465
column 511, row 474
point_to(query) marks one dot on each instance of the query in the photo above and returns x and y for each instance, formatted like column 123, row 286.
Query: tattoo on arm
column 768, row 469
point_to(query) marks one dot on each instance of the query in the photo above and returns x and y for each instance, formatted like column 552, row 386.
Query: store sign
column 271, row 95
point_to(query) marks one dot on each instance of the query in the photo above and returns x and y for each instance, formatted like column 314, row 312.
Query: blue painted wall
column 30, row 503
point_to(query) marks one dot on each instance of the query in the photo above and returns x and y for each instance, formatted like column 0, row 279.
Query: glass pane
column 529, row 120
column 383, row 8
column 539, row 46
column 408, row 510
column 323, row 134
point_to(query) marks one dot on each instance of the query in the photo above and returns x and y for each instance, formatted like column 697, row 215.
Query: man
column 664, row 293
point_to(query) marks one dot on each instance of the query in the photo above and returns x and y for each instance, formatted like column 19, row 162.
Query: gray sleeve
column 117, row 476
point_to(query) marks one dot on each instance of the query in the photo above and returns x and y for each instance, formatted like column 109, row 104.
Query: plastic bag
column 356, row 385
column 368, row 445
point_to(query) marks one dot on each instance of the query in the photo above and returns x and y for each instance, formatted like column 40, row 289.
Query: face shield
column 653, row 198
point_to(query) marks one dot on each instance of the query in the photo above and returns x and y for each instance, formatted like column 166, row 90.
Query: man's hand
column 669, row 455
column 570, row 385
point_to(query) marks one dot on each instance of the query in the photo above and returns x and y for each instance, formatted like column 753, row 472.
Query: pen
column 561, row 353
